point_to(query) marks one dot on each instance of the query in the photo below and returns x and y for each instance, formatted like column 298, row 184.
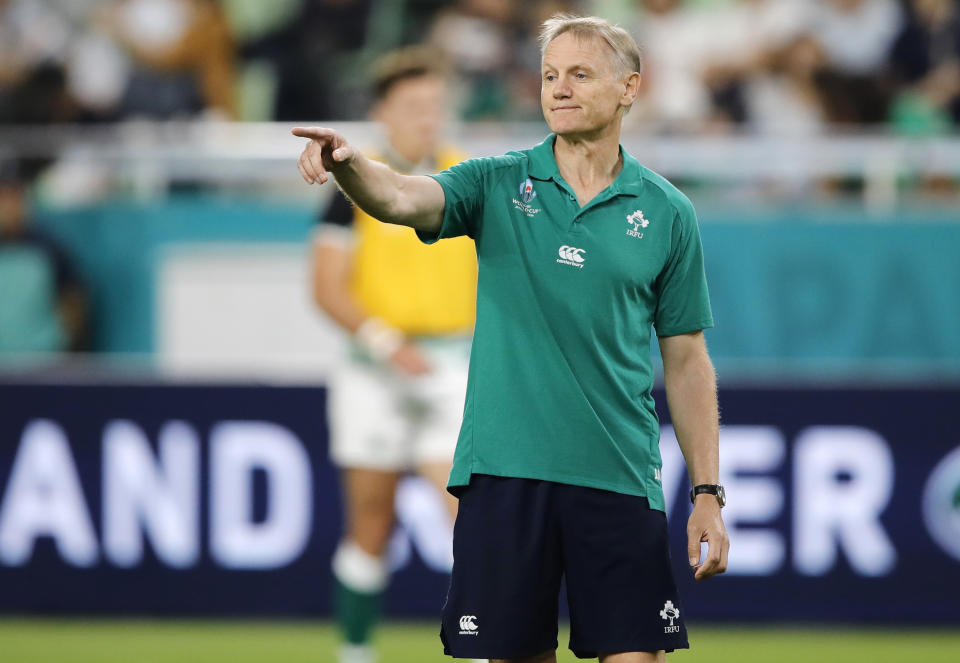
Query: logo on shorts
column 468, row 625
column 670, row 612
column 570, row 255
column 638, row 221
column 941, row 504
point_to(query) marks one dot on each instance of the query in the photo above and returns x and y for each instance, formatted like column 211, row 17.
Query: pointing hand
column 326, row 151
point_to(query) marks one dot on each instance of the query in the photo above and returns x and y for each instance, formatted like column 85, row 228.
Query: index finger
column 312, row 132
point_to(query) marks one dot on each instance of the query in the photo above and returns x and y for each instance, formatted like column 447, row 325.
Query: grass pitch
column 136, row 641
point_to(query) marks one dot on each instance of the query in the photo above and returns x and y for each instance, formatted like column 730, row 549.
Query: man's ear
column 631, row 88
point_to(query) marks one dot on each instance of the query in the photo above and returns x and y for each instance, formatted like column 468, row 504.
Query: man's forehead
column 569, row 49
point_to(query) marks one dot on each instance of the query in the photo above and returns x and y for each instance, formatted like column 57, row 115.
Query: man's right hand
column 326, row 151
column 408, row 200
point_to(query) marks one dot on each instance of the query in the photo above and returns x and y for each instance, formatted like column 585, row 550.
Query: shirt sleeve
column 463, row 186
column 683, row 303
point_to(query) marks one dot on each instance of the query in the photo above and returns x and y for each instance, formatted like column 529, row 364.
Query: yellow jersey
column 421, row 290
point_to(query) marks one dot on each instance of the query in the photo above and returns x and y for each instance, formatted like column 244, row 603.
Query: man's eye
column 549, row 77
column 581, row 75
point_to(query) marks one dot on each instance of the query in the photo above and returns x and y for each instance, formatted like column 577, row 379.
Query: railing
column 146, row 157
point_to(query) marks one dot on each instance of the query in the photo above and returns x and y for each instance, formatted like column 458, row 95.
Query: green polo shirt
column 560, row 374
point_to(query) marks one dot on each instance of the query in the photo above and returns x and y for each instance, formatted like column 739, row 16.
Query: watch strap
column 714, row 489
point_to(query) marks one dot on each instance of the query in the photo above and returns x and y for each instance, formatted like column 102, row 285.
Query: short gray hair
column 625, row 50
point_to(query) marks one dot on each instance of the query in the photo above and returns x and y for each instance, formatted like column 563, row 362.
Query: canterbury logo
column 572, row 254
column 468, row 625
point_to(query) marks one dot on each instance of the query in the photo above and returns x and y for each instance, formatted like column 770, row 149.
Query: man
column 397, row 402
column 43, row 309
column 581, row 249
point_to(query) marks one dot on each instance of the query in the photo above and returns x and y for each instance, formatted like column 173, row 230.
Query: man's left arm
column 691, row 387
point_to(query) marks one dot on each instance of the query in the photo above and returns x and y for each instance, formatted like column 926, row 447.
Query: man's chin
column 574, row 131
column 563, row 127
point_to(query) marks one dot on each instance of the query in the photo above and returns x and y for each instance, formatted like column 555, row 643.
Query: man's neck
column 589, row 165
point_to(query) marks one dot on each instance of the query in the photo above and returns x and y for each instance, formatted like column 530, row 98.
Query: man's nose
column 561, row 90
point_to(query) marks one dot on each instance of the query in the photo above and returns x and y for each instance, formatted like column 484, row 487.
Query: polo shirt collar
column 543, row 166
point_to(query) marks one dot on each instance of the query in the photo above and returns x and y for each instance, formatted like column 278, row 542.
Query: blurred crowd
column 796, row 66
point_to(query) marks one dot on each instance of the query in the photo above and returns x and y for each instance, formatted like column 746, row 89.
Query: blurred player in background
column 397, row 402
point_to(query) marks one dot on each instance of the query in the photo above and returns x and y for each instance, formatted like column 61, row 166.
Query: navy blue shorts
column 515, row 539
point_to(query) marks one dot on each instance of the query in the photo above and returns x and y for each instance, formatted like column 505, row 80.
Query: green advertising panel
column 841, row 295
column 795, row 292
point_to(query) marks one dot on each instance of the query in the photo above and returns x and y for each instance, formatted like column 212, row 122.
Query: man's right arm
column 408, row 200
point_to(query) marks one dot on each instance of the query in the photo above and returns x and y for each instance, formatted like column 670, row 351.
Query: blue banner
column 185, row 499
column 843, row 505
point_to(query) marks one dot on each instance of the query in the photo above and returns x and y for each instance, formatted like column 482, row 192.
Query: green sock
column 357, row 613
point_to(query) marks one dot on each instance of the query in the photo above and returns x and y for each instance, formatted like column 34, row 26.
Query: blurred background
column 163, row 367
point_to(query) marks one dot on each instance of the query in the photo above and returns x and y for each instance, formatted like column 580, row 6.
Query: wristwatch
column 712, row 489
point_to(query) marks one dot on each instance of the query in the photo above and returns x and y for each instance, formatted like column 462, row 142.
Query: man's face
column 413, row 111
column 581, row 90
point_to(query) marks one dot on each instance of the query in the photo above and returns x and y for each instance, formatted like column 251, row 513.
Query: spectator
column 183, row 52
column 786, row 97
column 42, row 303
column 256, row 26
column 855, row 37
column 925, row 61
column 32, row 33
column 34, row 39
column 316, row 57
column 747, row 34
column 477, row 36
column 98, row 71
column 40, row 97
column 54, row 65
column 673, row 94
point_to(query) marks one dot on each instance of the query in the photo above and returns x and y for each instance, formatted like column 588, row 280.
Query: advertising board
column 184, row 499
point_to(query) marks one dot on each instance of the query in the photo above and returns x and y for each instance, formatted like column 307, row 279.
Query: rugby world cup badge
column 526, row 191
column 526, row 196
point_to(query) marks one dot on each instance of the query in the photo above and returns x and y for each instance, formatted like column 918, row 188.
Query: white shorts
column 381, row 419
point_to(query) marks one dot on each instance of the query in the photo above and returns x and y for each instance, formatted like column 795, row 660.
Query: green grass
column 134, row 641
